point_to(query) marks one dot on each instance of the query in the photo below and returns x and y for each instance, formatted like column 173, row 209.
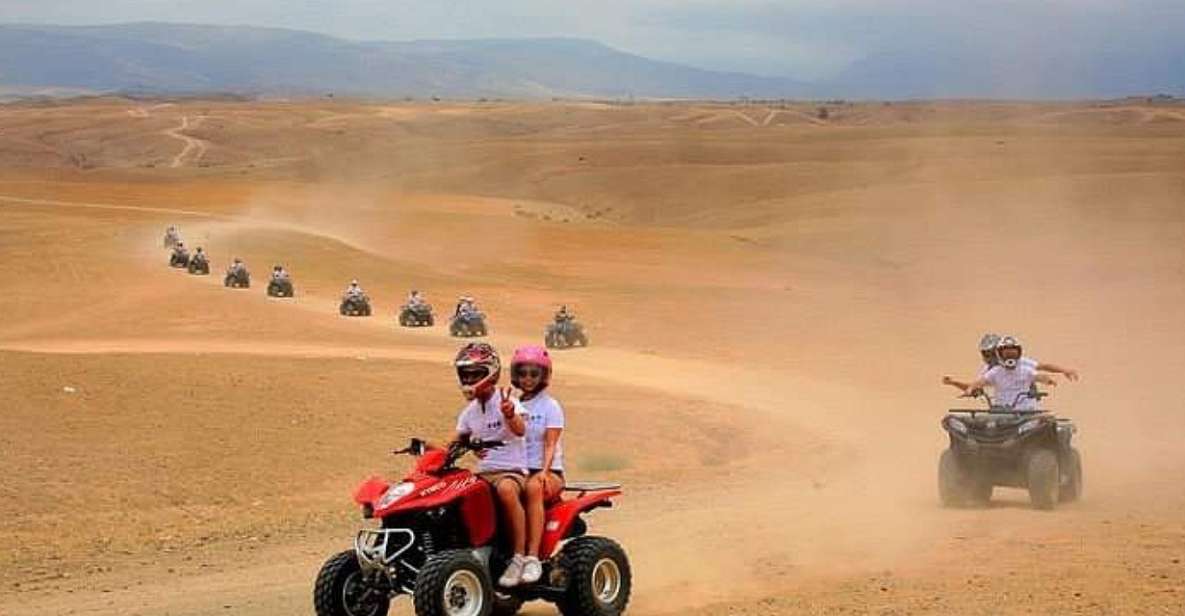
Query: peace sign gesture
column 507, row 406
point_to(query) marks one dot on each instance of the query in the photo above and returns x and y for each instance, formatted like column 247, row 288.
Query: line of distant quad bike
column 466, row 322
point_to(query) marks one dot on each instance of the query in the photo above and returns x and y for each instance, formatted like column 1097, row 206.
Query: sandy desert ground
column 772, row 298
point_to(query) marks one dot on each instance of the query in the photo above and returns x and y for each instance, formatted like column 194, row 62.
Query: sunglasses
column 530, row 372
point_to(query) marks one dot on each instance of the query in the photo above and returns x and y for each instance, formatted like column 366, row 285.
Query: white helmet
column 987, row 348
column 1009, row 342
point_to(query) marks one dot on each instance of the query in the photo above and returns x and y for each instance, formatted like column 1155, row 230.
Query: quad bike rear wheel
column 599, row 578
column 340, row 590
column 454, row 583
column 1043, row 479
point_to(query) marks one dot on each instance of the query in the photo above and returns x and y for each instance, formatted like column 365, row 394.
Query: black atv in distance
column 565, row 333
column 199, row 265
column 354, row 306
column 179, row 259
column 280, row 287
column 237, row 278
column 416, row 315
column 468, row 325
column 1004, row 446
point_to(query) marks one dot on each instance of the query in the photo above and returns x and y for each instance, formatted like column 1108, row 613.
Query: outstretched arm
column 960, row 385
column 975, row 385
column 1069, row 373
column 1045, row 380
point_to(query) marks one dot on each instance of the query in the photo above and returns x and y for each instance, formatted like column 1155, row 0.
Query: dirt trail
column 194, row 148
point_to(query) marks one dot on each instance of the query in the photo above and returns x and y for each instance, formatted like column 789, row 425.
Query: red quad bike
column 440, row 542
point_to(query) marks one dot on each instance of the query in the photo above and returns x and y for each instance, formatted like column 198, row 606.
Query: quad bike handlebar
column 979, row 393
column 455, row 451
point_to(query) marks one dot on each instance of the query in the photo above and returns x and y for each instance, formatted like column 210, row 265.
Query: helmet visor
column 472, row 375
column 1009, row 352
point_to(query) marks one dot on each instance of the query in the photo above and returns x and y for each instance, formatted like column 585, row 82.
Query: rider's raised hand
column 507, row 406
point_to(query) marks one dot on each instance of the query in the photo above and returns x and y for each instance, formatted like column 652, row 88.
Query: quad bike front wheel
column 957, row 487
column 1043, row 478
column 1071, row 480
column 454, row 583
column 599, row 578
column 341, row 590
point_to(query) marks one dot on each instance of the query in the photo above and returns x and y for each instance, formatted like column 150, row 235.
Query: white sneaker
column 514, row 572
column 532, row 570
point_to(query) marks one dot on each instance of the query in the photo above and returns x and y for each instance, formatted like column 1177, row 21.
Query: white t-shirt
column 490, row 425
column 1008, row 384
column 543, row 412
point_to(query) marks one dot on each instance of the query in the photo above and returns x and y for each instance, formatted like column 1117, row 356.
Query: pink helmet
column 531, row 355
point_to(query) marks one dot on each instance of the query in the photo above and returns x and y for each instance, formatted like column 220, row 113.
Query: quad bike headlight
column 395, row 493
column 956, row 425
column 1028, row 426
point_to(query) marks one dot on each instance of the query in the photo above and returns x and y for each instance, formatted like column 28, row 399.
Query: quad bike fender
column 471, row 494
column 561, row 517
column 477, row 511
column 371, row 490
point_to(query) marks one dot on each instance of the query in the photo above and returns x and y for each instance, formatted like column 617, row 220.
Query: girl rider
column 530, row 371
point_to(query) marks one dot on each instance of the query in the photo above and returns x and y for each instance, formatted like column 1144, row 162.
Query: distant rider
column 180, row 251
column 415, row 300
column 279, row 274
column 564, row 315
column 354, row 291
column 465, row 306
column 199, row 256
column 1011, row 379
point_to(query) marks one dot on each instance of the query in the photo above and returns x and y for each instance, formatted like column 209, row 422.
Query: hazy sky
column 804, row 39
